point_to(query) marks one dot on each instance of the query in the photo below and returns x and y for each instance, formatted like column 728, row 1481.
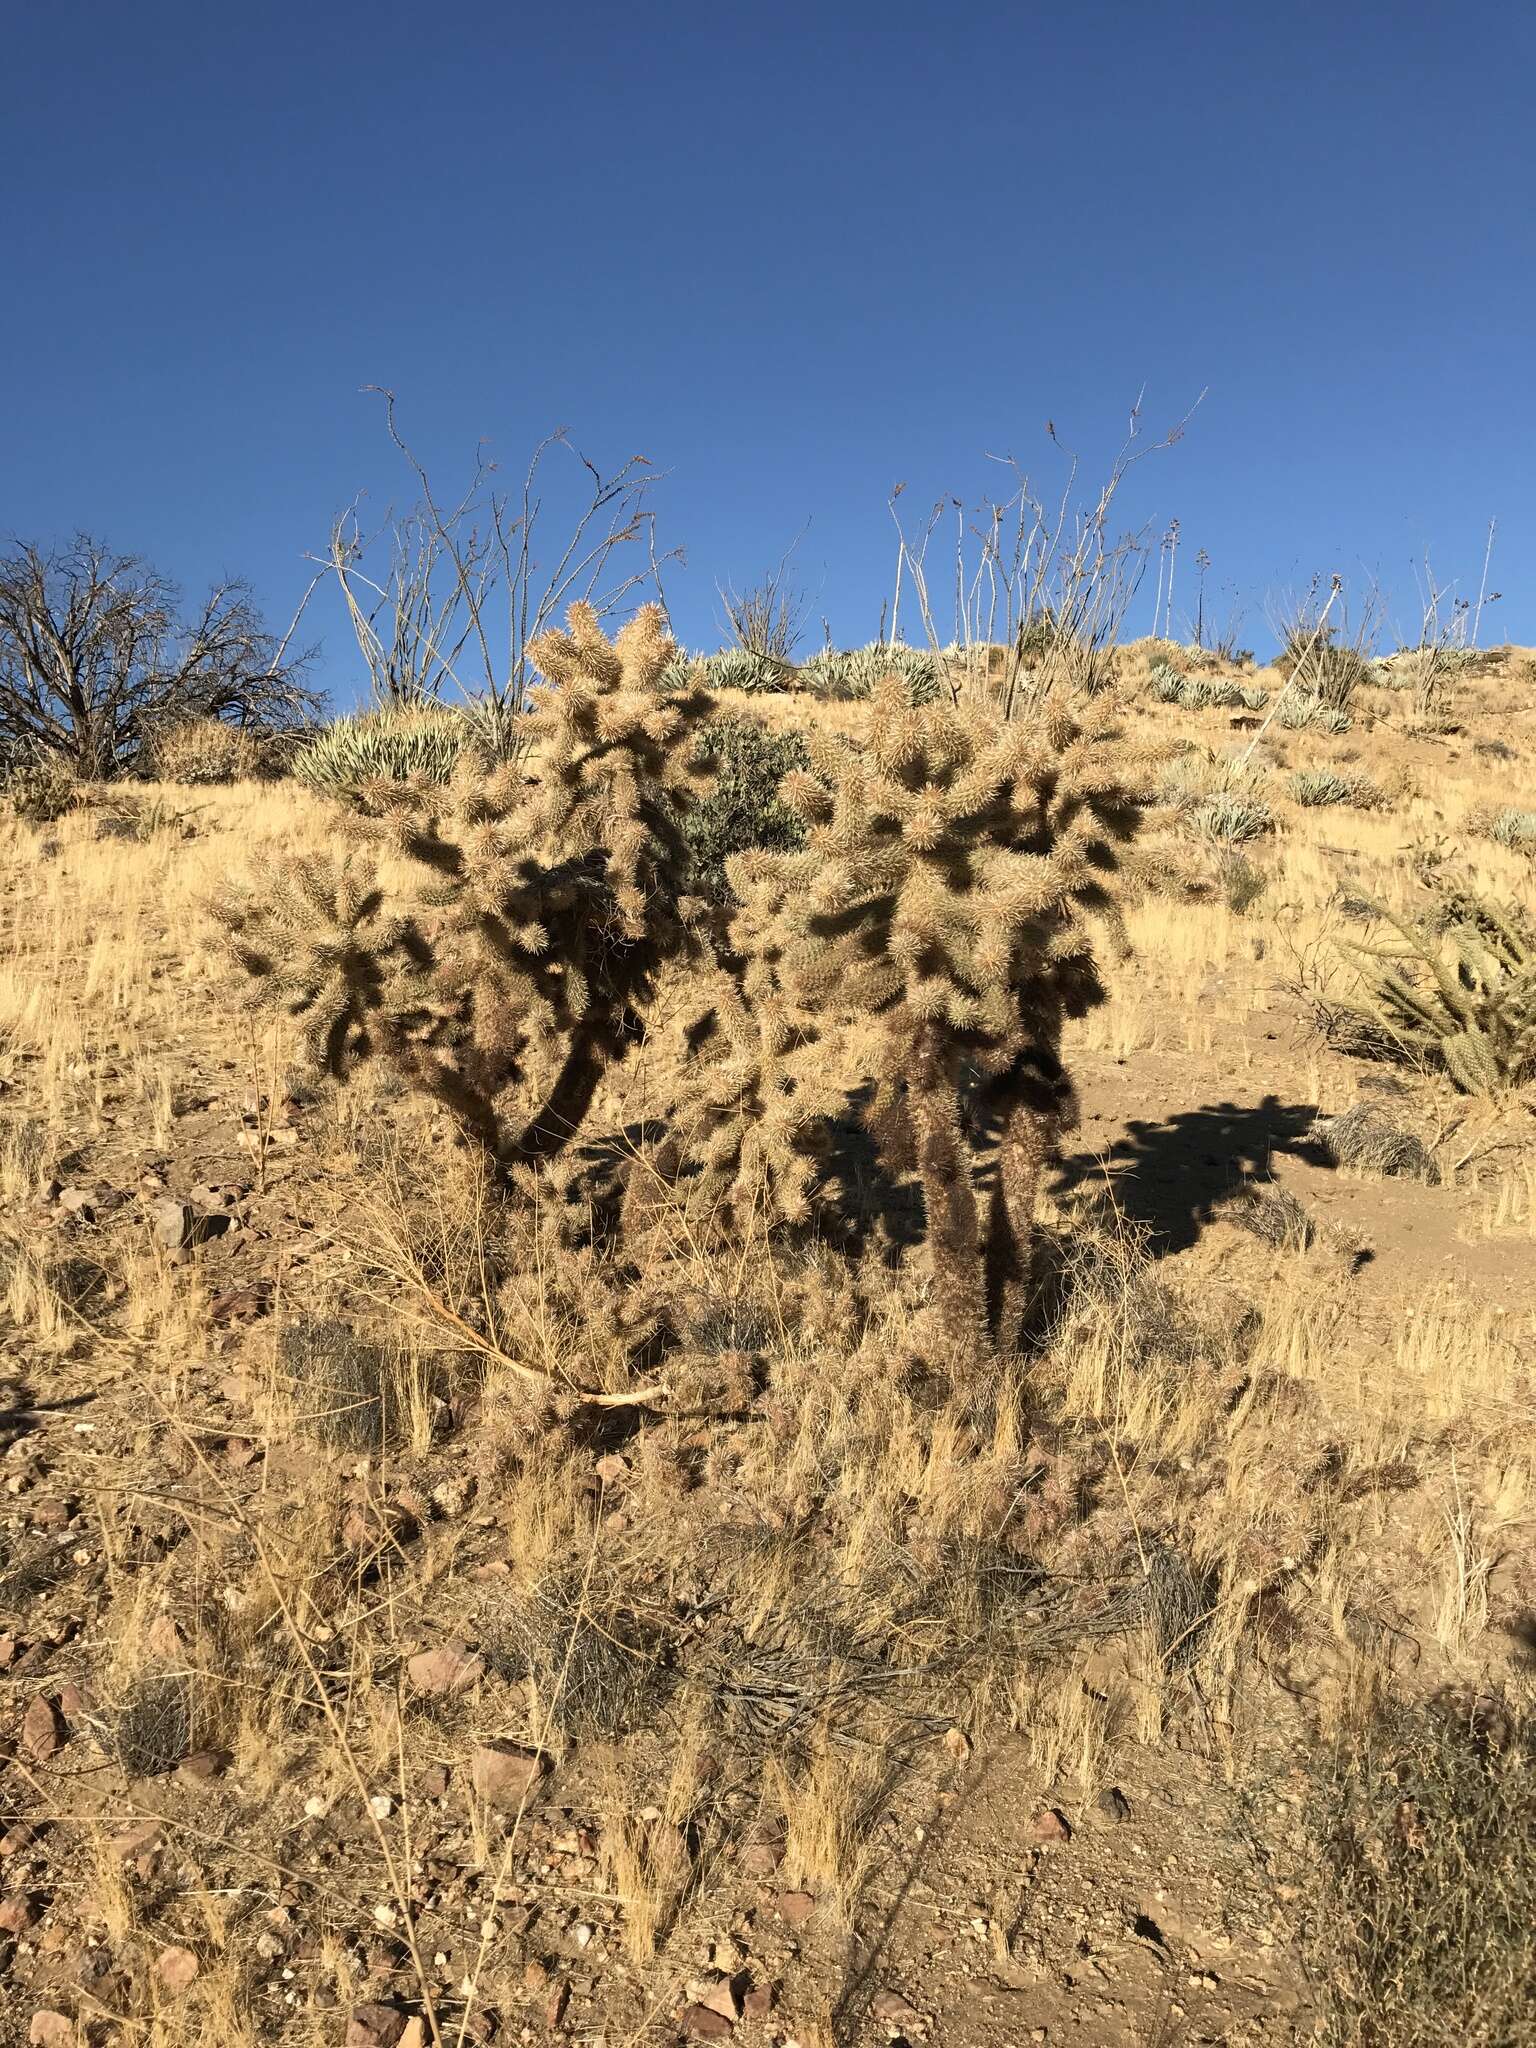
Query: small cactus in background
column 204, row 751
column 1454, row 989
column 551, row 897
column 39, row 787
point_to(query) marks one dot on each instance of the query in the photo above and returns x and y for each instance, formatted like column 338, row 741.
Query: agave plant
column 357, row 759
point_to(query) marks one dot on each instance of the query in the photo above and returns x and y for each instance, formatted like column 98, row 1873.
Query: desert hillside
column 628, row 1602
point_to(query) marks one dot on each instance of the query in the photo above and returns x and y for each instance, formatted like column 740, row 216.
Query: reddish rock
column 138, row 1848
column 555, row 2004
column 758, row 2002
column 203, row 1767
column 375, row 2026
column 17, row 1914
column 1050, row 1824
column 717, row 1993
column 434, row 1781
column 504, row 1774
column 43, row 1730
column 897, row 2010
column 703, row 2023
column 795, row 1907
column 176, row 1968
column 51, row 2030
column 451, row 1667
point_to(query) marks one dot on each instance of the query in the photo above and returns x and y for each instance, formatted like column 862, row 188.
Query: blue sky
column 793, row 255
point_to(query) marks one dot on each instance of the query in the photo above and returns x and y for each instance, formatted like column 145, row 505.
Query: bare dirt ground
column 278, row 1763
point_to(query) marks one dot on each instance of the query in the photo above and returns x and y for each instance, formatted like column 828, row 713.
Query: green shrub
column 1204, row 693
column 1300, row 712
column 1240, row 881
column 1423, row 1929
column 1229, row 818
column 743, row 808
column 354, row 759
column 739, row 668
column 854, row 673
column 1312, row 786
column 1317, row 665
column 1515, row 829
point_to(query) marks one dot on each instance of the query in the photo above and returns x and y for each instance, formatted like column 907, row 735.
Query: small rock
column 717, row 1993
column 174, row 1223
column 79, row 1202
column 1113, row 1804
column 51, row 2030
column 176, row 1968
column 44, row 1731
column 612, row 1468
column 452, row 1667
column 7, row 1652
column 434, row 1781
column 375, row 2026
column 17, row 1914
column 795, row 1907
column 315, row 1807
column 897, row 2011
column 504, row 1774
column 71, row 1701
column 163, row 1639
column 415, row 2035
column 958, row 1743
column 758, row 2002
column 1051, row 1825
column 761, row 1859
column 137, row 1848
column 381, row 1806
column 555, row 2004
column 702, row 2023
column 202, row 1767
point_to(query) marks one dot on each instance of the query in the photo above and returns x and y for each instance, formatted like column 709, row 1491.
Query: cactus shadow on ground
column 1172, row 1176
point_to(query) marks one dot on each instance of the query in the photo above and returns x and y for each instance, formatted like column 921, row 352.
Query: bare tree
column 95, row 651
column 1047, row 583
column 454, row 593
column 767, row 618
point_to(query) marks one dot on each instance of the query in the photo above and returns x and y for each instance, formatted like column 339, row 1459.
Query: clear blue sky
column 792, row 254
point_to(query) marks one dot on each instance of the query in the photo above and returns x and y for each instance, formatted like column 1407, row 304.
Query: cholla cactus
column 952, row 867
column 1457, row 990
column 550, row 901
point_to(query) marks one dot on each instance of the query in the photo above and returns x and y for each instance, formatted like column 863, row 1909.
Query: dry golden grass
column 1258, row 1470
